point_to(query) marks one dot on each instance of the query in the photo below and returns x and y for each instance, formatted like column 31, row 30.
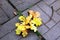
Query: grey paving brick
column 0, row 25
column 44, row 17
column 56, row 5
column 8, row 27
column 3, row 17
column 11, row 36
column 0, row 3
column 56, row 17
column 58, row 38
column 17, row 2
column 43, row 29
column 53, row 33
column 50, row 24
column 45, row 8
column 25, row 13
column 7, row 8
column 26, row 4
column 58, row 12
column 49, row 1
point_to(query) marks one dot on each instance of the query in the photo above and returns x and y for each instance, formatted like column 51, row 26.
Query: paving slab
column 23, row 4
column 43, row 29
column 7, row 8
column 8, row 27
column 49, row 1
column 0, row 3
column 58, row 38
column 11, row 36
column 50, row 23
column 53, row 33
column 25, row 13
column 56, row 17
column 3, row 17
column 58, row 12
column 56, row 5
column 45, row 8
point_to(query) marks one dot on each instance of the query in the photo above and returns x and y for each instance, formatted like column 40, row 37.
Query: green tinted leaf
column 37, row 33
column 19, row 13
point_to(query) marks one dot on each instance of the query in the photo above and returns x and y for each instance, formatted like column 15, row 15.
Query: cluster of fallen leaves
column 31, row 22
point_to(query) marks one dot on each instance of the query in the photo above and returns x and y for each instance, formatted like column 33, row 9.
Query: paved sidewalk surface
column 50, row 28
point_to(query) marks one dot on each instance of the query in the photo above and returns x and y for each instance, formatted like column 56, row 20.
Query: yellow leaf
column 21, row 18
column 18, row 32
column 17, row 24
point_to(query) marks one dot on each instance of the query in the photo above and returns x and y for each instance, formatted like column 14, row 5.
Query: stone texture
column 50, row 24
column 25, row 13
column 56, row 17
column 44, row 17
column 58, row 38
column 7, row 8
column 45, row 8
column 43, row 29
column 53, row 33
column 56, row 5
column 0, row 3
column 11, row 36
column 3, row 17
column 8, row 27
column 49, row 1
column 25, row 3
column 17, row 2
column 58, row 12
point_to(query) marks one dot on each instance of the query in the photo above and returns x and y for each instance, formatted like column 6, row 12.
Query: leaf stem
column 40, row 36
